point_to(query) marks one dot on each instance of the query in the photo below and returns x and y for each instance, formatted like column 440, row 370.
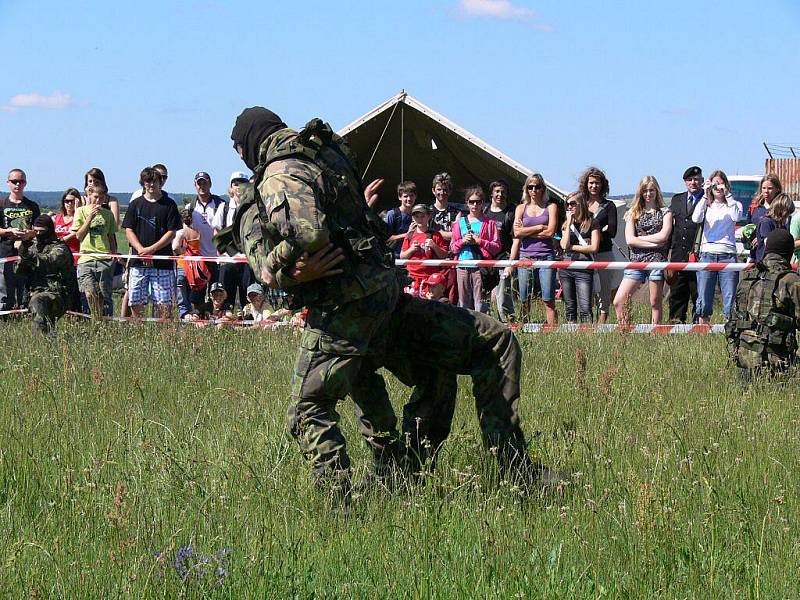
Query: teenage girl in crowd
column 95, row 179
column 474, row 238
column 535, row 222
column 648, row 230
column 594, row 188
column 768, row 189
column 63, row 220
column 63, row 223
column 717, row 214
column 780, row 209
column 580, row 239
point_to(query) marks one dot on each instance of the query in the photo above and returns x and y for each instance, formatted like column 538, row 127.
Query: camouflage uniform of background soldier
column 308, row 200
column 47, row 264
column 763, row 325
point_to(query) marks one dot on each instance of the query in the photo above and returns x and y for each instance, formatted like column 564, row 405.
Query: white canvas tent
column 404, row 139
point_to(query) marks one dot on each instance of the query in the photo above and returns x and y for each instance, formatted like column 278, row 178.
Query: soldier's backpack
column 353, row 226
column 757, row 329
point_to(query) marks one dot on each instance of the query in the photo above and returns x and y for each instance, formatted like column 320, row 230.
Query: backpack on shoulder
column 198, row 275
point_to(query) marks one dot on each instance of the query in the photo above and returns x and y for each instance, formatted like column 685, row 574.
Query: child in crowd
column 434, row 288
column 186, row 241
column 580, row 240
column 398, row 220
column 95, row 228
column 215, row 309
column 422, row 242
column 257, row 309
column 777, row 217
column 474, row 238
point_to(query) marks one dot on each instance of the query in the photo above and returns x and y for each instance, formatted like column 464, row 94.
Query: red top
column 64, row 229
column 420, row 271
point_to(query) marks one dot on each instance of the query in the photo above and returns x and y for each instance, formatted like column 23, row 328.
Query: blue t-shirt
column 469, row 252
column 398, row 222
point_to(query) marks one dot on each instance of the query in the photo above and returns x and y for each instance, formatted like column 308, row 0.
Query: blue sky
column 634, row 87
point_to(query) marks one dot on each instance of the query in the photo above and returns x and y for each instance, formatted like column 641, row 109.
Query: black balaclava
column 779, row 242
column 45, row 222
column 252, row 127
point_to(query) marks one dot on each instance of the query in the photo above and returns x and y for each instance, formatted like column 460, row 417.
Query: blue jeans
column 547, row 281
column 707, row 284
column 576, row 291
column 184, row 302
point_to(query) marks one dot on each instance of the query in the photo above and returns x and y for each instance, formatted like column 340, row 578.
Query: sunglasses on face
column 17, row 181
column 535, row 186
column 572, row 204
column 474, row 201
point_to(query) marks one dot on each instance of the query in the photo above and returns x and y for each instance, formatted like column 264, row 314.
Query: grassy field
column 153, row 462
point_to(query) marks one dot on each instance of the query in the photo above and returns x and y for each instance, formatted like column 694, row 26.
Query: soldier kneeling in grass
column 47, row 264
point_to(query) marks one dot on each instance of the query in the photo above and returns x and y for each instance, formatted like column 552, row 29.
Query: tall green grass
column 119, row 442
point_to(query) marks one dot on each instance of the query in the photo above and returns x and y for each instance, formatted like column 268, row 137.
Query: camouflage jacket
column 48, row 267
column 298, row 215
column 766, row 316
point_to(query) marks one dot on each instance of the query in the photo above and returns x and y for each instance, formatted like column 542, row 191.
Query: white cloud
column 501, row 9
column 54, row 100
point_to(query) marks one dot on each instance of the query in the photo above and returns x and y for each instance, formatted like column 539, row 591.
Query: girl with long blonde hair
column 648, row 229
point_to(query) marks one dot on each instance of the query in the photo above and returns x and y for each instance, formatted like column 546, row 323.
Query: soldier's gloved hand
column 318, row 265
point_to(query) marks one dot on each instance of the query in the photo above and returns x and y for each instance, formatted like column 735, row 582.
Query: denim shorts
column 641, row 275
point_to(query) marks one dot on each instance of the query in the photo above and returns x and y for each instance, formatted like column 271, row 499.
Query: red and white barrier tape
column 614, row 328
column 541, row 264
column 498, row 264
column 580, row 264
column 16, row 311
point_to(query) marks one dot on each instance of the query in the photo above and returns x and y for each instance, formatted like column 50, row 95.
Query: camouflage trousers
column 426, row 345
column 46, row 307
column 432, row 343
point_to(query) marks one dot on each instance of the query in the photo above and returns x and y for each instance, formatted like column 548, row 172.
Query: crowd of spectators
column 699, row 224
column 153, row 226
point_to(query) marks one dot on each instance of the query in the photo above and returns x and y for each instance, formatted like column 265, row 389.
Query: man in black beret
column 683, row 284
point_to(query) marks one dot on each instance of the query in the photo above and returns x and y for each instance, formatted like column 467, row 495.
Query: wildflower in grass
column 192, row 567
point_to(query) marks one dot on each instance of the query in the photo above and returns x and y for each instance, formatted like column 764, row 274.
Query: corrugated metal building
column 788, row 171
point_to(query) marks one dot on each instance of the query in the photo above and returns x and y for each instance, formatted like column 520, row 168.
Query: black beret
column 691, row 172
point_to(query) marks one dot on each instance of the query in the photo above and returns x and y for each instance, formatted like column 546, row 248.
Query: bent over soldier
column 762, row 329
column 47, row 264
column 305, row 228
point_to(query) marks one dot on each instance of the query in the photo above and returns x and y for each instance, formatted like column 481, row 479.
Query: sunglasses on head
column 535, row 186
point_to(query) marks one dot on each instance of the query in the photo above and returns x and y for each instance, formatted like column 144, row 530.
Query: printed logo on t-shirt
column 18, row 217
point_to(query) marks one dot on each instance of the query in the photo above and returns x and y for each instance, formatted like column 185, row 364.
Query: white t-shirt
column 202, row 223
column 224, row 218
